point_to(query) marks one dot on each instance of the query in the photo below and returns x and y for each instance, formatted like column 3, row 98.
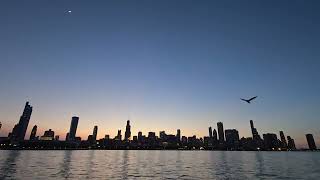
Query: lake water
column 97, row 164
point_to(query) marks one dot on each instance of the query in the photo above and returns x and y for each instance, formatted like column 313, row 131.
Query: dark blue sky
column 163, row 64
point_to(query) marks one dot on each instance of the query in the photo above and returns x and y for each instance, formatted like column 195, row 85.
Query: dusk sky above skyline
column 165, row 65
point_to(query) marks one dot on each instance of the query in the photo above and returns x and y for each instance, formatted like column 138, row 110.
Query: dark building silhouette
column 20, row 129
column 140, row 136
column 291, row 144
column 33, row 133
column 220, row 132
column 48, row 135
column 210, row 132
column 284, row 144
column 152, row 135
column 255, row 134
column 214, row 135
column 56, row 138
column 94, row 134
column 107, row 137
column 184, row 140
column 0, row 126
column 73, row 128
column 311, row 143
column 128, row 131
column 163, row 135
column 119, row 136
column 67, row 136
column 270, row 141
column 232, row 139
column 151, row 138
column 178, row 135
column 135, row 139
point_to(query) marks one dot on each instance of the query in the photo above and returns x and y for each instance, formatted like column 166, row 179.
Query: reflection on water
column 9, row 164
column 65, row 165
column 131, row 164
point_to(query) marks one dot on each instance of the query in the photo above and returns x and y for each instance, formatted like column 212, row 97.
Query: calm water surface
column 90, row 164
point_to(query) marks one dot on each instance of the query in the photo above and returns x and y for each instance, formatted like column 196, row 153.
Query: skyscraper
column 162, row 135
column 311, row 143
column 73, row 128
column 255, row 134
column 220, row 132
column 178, row 135
column 270, row 141
column 210, row 132
column 128, row 131
column 214, row 135
column 232, row 139
column 94, row 134
column 19, row 130
column 291, row 144
column 139, row 136
column 33, row 133
column 283, row 140
column 119, row 137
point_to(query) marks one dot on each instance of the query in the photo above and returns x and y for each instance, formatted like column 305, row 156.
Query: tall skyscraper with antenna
column 128, row 131
column 20, row 129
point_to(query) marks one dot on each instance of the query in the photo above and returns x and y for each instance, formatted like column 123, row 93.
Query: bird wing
column 252, row 98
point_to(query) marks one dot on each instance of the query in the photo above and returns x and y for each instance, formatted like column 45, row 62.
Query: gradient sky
column 163, row 64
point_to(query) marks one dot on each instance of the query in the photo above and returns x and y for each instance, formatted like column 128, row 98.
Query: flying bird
column 249, row 100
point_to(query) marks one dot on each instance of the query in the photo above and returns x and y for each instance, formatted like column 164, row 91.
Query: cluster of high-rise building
column 220, row 139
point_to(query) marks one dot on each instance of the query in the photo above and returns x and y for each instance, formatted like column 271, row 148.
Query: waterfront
column 96, row 164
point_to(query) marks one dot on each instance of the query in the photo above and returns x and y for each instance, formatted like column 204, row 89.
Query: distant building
column 0, row 125
column 119, row 136
column 20, row 129
column 178, row 135
column 94, row 134
column 291, row 144
column 128, row 131
column 152, row 135
column 220, row 132
column 48, row 136
column 311, row 143
column 33, row 133
column 214, row 135
column 135, row 139
column 210, row 132
column 162, row 135
column 270, row 141
column 232, row 139
column 107, row 137
column 284, row 144
column 255, row 134
column 56, row 138
column 90, row 139
column 67, row 136
column 73, row 128
column 140, row 136
column 184, row 140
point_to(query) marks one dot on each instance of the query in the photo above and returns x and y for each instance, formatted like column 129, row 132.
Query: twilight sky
column 163, row 64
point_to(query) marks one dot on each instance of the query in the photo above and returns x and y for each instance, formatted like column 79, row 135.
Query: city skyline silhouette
column 166, row 64
column 217, row 139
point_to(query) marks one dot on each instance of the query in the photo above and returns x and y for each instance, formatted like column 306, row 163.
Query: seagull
column 249, row 100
